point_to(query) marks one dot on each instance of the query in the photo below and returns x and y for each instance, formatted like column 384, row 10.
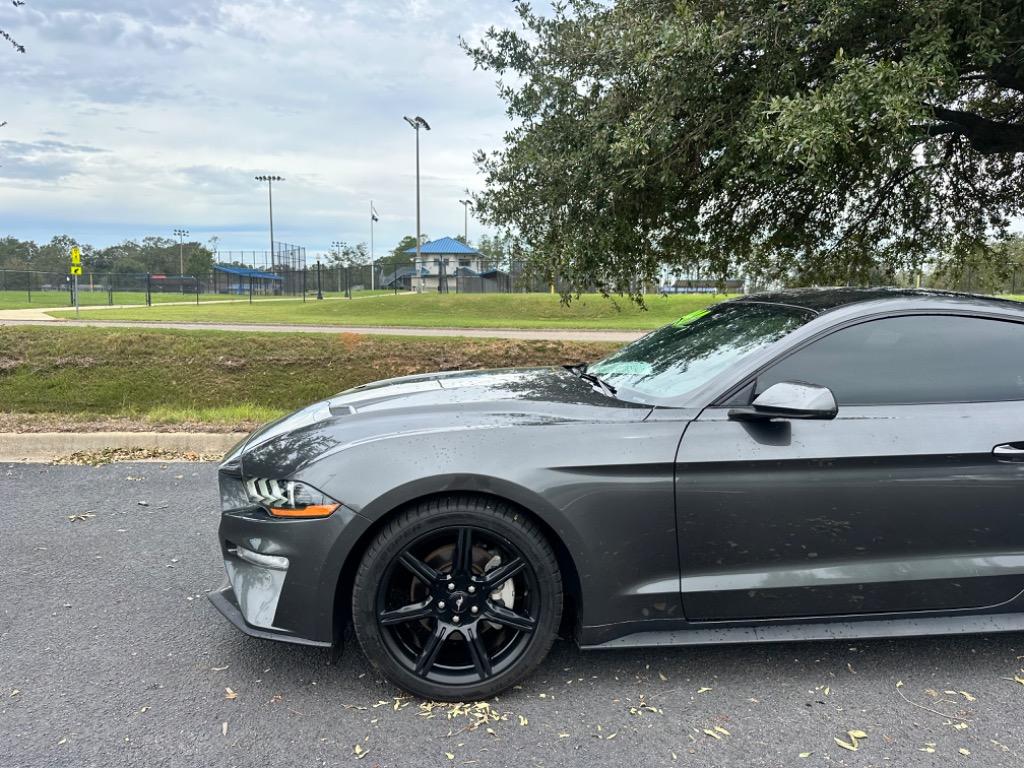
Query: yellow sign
column 76, row 269
column 76, row 256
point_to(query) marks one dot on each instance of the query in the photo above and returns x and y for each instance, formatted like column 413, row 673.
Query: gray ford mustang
column 806, row 464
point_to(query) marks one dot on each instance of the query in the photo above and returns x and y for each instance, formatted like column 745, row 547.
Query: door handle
column 1009, row 451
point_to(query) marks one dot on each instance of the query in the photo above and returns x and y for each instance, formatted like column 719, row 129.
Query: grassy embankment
column 526, row 310
column 69, row 377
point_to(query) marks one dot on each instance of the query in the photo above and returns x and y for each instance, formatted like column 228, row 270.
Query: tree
column 398, row 253
column 199, row 260
column 827, row 139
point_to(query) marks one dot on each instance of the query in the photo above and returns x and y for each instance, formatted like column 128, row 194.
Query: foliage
column 831, row 139
column 7, row 36
column 999, row 269
column 345, row 254
column 156, row 255
column 398, row 253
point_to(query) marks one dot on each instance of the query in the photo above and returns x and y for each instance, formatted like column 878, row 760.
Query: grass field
column 520, row 310
column 53, row 299
column 169, row 377
column 48, row 299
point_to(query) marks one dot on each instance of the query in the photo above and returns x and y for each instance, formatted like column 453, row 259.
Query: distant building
column 672, row 281
column 442, row 261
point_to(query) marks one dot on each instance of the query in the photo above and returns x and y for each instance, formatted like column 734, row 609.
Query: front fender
column 605, row 490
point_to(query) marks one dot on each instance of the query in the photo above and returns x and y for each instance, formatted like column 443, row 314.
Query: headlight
column 288, row 498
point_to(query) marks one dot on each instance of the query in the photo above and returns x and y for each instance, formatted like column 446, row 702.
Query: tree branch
column 989, row 137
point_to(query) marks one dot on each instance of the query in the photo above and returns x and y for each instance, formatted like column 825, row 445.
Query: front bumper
column 294, row 598
column 224, row 601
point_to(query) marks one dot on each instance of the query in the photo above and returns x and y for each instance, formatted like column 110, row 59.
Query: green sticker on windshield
column 695, row 315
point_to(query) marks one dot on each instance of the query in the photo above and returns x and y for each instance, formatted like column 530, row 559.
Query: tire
column 457, row 598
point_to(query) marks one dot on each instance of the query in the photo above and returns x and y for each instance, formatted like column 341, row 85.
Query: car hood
column 436, row 402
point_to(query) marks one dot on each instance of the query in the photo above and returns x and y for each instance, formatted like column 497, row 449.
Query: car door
column 911, row 499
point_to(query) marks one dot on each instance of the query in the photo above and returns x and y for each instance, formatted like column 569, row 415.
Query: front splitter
column 224, row 601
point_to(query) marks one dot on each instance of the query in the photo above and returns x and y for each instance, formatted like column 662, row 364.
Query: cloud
column 43, row 161
column 190, row 99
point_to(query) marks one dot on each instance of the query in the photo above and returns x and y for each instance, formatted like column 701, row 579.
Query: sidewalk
column 48, row 446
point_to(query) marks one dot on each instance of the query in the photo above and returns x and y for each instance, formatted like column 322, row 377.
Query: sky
column 129, row 118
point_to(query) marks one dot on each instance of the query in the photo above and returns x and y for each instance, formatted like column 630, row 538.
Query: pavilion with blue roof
column 442, row 259
column 240, row 280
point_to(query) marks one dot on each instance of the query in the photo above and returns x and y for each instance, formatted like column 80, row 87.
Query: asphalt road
column 111, row 655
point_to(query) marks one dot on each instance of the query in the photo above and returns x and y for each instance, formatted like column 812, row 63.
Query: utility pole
column 181, row 234
column 417, row 123
column 373, row 218
column 270, row 193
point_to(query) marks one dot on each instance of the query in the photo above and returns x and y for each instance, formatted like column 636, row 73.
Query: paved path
column 40, row 313
column 554, row 334
column 110, row 655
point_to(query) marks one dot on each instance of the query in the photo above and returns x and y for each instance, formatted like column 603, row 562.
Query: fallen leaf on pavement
column 852, row 744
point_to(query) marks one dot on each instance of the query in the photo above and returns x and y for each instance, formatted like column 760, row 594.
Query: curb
column 47, row 446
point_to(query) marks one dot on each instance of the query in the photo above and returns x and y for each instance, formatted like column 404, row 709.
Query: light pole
column 417, row 123
column 181, row 234
column 270, row 192
column 336, row 248
column 319, row 289
column 465, row 210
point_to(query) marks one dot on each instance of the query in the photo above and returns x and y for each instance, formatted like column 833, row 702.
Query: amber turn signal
column 313, row 510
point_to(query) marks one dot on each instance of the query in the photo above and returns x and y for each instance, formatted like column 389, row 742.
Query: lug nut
column 440, row 606
column 474, row 609
column 455, row 619
column 451, row 587
column 472, row 590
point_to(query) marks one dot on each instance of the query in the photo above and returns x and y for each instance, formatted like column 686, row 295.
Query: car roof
column 821, row 300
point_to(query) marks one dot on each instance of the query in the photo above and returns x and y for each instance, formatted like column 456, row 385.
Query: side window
column 914, row 359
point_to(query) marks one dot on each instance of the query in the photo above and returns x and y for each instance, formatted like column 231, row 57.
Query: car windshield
column 681, row 357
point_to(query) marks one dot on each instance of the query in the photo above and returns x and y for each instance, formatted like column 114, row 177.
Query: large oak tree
column 821, row 140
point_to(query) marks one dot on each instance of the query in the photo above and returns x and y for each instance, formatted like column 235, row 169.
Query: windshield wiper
column 580, row 369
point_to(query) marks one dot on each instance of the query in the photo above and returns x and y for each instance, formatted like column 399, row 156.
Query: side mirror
column 789, row 400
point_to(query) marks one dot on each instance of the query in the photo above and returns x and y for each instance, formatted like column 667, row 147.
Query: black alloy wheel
column 457, row 598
